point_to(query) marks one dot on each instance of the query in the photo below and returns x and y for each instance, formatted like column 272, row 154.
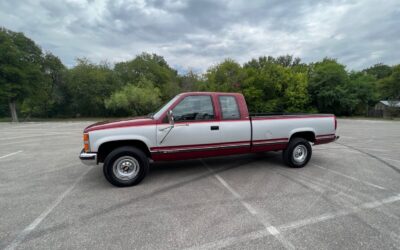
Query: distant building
column 386, row 109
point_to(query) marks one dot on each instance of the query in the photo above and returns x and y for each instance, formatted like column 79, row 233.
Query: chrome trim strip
column 201, row 148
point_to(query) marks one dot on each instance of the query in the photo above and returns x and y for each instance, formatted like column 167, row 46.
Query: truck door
column 196, row 129
column 235, row 128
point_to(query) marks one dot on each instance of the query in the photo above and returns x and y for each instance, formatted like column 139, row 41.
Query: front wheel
column 298, row 153
column 125, row 166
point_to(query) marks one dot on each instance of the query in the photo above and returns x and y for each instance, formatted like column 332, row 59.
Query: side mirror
column 170, row 116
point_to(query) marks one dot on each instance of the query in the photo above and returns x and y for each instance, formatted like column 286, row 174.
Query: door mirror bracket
column 170, row 116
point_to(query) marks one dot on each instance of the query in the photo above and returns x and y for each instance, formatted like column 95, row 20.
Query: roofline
column 209, row 92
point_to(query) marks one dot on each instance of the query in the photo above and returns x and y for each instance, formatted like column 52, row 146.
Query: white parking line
column 32, row 136
column 21, row 236
column 36, row 140
column 349, row 177
column 328, row 216
column 270, row 228
column 225, row 243
column 4, row 156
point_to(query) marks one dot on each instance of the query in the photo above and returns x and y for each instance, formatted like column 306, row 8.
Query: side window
column 194, row 108
column 229, row 107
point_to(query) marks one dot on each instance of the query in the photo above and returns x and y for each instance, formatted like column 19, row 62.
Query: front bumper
column 89, row 159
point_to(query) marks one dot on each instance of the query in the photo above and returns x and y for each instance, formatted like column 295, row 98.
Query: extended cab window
column 194, row 108
column 229, row 107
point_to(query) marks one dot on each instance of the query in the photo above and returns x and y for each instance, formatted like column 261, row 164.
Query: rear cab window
column 229, row 107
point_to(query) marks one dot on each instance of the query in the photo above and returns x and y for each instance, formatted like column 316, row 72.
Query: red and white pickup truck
column 197, row 125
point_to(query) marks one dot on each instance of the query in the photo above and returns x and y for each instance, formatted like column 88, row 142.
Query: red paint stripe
column 271, row 140
column 271, row 147
column 215, row 152
column 120, row 124
column 213, row 144
column 199, row 154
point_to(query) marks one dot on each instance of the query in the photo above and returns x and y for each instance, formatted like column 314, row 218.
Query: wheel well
column 308, row 135
column 107, row 147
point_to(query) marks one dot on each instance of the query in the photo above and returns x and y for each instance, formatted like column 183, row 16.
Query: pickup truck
column 198, row 125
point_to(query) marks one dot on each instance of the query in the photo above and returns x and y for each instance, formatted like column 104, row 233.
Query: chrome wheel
column 126, row 168
column 300, row 153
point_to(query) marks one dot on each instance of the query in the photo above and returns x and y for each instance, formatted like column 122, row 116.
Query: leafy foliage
column 20, row 67
column 152, row 67
column 390, row 85
column 37, row 84
column 135, row 99
column 88, row 86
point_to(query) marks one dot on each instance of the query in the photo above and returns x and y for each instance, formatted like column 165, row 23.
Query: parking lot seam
column 372, row 156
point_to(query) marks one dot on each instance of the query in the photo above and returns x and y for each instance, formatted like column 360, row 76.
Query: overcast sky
column 198, row 34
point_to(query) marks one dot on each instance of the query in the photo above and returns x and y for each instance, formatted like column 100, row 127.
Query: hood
column 135, row 121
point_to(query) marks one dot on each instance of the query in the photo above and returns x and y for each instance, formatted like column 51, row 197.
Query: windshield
column 164, row 107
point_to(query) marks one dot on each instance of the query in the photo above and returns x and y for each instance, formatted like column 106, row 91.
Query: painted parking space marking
column 38, row 135
column 270, row 228
column 14, row 153
column 349, row 177
column 27, row 230
column 230, row 241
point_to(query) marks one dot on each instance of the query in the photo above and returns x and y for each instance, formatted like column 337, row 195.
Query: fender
column 145, row 134
column 123, row 137
column 300, row 130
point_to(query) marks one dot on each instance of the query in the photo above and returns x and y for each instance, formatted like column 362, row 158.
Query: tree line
column 34, row 83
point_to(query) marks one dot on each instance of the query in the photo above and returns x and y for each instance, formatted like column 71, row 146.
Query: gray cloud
column 197, row 34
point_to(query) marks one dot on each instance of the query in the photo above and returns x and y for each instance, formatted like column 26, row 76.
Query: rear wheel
column 298, row 153
column 125, row 166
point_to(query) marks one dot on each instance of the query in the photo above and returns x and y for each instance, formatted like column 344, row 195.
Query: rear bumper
column 89, row 159
column 326, row 139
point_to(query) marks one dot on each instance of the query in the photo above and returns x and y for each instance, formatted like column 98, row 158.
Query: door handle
column 214, row 127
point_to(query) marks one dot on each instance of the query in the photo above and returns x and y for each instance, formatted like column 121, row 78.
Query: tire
column 298, row 153
column 125, row 166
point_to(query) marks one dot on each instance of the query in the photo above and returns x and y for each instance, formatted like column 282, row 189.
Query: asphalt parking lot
column 348, row 196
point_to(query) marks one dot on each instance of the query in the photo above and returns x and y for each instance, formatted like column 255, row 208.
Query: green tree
column 191, row 82
column 135, row 99
column 49, row 97
column 364, row 89
column 328, row 87
column 390, row 85
column 296, row 97
column 152, row 67
column 274, row 86
column 20, row 68
column 227, row 76
column 88, row 86
column 379, row 71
